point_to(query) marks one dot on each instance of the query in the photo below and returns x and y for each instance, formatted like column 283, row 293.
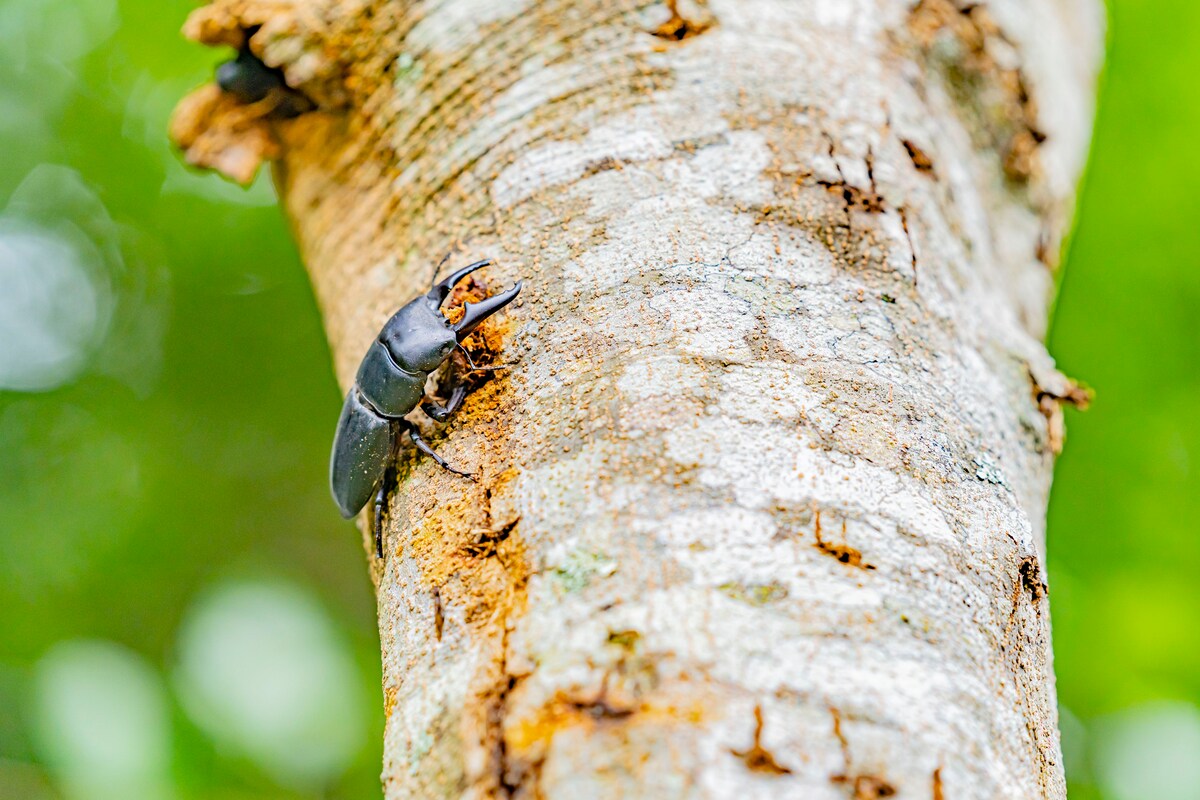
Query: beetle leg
column 442, row 413
column 379, row 508
column 380, row 502
column 424, row 447
column 451, row 380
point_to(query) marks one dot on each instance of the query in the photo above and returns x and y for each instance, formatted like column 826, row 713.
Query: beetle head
column 419, row 338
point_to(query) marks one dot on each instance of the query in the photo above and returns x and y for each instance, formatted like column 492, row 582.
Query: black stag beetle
column 390, row 383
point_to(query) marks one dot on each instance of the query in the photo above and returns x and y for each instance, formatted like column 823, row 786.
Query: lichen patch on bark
column 982, row 68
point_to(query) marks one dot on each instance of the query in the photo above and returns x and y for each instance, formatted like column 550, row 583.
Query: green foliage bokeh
column 121, row 500
column 196, row 452
column 1122, row 533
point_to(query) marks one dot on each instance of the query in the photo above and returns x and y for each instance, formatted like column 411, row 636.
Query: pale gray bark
column 766, row 485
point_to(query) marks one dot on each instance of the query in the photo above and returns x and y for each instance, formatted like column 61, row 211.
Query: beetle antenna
column 475, row 367
column 441, row 290
column 438, row 268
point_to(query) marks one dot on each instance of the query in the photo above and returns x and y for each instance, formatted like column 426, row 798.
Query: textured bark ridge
column 761, row 501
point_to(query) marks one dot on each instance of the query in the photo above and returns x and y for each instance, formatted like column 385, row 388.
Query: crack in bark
column 854, row 197
column 843, row 553
column 504, row 788
column 487, row 540
column 862, row 786
column 1031, row 578
column 487, row 544
column 677, row 27
column 503, row 768
column 439, row 614
column 920, row 159
column 757, row 757
column 911, row 247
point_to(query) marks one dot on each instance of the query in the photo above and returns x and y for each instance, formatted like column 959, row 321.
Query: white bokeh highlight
column 1151, row 752
column 51, row 308
column 262, row 671
column 103, row 722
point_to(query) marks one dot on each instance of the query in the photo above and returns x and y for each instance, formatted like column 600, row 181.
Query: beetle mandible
column 390, row 383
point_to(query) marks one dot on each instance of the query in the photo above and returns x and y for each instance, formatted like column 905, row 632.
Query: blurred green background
column 183, row 615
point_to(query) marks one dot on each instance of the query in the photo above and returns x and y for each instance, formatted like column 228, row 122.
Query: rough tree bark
column 761, row 502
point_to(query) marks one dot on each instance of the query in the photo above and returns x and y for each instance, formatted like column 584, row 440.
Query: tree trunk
column 761, row 502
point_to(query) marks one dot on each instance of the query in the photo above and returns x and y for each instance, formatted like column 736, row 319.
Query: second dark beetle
column 248, row 80
column 391, row 383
